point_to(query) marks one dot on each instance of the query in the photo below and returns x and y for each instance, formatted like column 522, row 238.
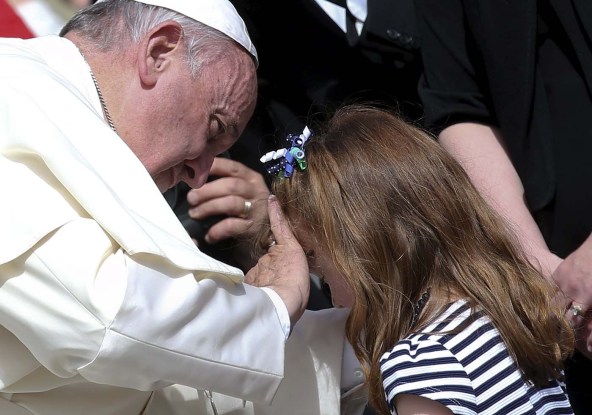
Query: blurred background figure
column 11, row 25
column 39, row 17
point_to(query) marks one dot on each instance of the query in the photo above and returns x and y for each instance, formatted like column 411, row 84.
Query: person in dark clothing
column 507, row 87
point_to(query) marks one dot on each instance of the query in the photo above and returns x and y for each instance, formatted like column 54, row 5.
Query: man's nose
column 201, row 170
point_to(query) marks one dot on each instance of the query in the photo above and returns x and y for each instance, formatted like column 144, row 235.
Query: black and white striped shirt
column 469, row 372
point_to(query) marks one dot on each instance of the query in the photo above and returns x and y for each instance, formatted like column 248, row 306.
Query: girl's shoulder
column 424, row 362
column 454, row 344
column 459, row 360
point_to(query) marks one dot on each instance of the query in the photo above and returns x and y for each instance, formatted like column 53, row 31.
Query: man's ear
column 157, row 49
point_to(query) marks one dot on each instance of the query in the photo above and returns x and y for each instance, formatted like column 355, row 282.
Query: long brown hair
column 398, row 215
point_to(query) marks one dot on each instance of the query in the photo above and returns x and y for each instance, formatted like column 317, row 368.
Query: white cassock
column 104, row 298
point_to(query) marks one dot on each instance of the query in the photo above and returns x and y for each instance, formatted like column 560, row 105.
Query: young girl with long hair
column 447, row 314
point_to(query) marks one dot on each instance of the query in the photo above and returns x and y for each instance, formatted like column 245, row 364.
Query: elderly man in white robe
column 105, row 302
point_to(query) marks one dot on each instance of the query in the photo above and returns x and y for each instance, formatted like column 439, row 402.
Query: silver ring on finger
column 247, row 208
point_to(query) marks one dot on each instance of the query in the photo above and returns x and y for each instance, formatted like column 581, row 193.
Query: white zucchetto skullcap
column 217, row 14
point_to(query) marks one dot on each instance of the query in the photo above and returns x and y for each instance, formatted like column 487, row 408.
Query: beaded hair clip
column 283, row 161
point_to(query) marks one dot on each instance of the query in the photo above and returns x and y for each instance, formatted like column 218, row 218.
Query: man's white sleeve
column 81, row 306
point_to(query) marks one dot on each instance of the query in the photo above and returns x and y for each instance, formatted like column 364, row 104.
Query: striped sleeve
column 426, row 368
